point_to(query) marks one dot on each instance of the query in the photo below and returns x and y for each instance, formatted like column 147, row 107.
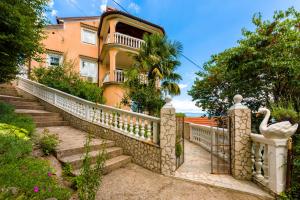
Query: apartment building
column 101, row 47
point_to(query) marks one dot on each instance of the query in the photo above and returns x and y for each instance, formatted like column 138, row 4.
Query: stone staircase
column 34, row 109
column 71, row 147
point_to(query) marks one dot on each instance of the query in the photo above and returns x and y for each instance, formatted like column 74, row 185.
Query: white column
column 277, row 164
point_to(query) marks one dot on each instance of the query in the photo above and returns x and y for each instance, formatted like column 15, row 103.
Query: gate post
column 168, row 138
column 240, row 130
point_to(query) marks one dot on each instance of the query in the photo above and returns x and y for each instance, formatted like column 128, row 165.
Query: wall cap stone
column 168, row 104
column 237, row 103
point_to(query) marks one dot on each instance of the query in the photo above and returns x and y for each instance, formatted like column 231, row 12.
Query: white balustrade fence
column 139, row 126
column 269, row 162
column 208, row 137
column 119, row 76
column 123, row 39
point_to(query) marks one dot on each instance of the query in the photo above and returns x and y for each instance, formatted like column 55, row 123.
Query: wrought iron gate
column 179, row 146
column 221, row 146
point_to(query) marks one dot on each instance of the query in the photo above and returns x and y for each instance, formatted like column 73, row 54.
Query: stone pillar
column 112, row 64
column 168, row 138
column 240, row 130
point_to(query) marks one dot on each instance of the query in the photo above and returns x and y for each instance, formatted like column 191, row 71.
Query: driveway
column 134, row 182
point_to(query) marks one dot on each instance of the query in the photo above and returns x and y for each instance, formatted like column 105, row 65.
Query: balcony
column 125, row 40
column 117, row 78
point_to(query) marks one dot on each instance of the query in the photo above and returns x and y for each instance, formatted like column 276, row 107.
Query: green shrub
column 284, row 111
column 33, row 178
column 180, row 115
column 67, row 169
column 6, row 109
column 7, row 129
column 178, row 150
column 30, row 176
column 48, row 142
column 13, row 148
column 65, row 79
column 8, row 116
column 90, row 177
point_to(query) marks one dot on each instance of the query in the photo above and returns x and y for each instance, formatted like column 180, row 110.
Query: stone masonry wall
column 142, row 153
column 241, row 164
column 168, row 139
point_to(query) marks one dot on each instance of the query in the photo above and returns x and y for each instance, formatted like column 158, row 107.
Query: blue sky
column 204, row 27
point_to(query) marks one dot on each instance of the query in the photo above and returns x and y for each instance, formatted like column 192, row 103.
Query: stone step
column 30, row 107
column 76, row 160
column 9, row 93
column 14, row 98
column 96, row 145
column 47, row 118
column 111, row 164
column 51, row 123
column 22, row 103
column 36, row 113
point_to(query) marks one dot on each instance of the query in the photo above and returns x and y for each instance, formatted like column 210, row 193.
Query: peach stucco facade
column 65, row 39
column 119, row 36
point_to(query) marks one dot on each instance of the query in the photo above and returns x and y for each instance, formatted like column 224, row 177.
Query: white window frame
column 95, row 78
column 91, row 31
column 50, row 54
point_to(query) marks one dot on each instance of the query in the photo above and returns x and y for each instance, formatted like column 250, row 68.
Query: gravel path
column 134, row 182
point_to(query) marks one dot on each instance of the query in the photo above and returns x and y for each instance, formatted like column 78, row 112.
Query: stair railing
column 139, row 126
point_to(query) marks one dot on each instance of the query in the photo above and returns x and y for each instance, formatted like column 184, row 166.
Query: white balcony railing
column 269, row 162
column 135, row 125
column 118, row 77
column 126, row 40
column 208, row 136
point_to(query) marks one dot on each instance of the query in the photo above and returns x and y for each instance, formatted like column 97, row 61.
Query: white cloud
column 72, row 2
column 51, row 3
column 185, row 106
column 182, row 86
column 103, row 5
column 54, row 13
column 134, row 6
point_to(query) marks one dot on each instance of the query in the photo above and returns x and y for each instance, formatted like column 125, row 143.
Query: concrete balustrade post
column 168, row 138
column 240, row 130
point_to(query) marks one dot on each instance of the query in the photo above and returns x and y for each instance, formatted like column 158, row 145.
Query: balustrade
column 126, row 40
column 102, row 115
column 208, row 136
column 269, row 162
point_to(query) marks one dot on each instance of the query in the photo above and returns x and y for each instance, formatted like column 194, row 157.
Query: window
column 89, row 70
column 88, row 36
column 54, row 59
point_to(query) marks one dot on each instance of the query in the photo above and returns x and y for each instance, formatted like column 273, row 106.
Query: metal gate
column 179, row 146
column 221, row 146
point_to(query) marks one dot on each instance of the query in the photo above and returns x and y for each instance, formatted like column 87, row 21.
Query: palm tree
column 158, row 59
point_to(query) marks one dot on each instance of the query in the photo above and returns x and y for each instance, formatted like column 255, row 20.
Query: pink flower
column 49, row 174
column 36, row 189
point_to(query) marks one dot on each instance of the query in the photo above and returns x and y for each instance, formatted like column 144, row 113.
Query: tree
column 264, row 67
column 158, row 59
column 153, row 74
column 21, row 30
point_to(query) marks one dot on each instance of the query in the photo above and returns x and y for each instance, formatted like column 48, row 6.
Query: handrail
column 140, row 126
column 89, row 102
